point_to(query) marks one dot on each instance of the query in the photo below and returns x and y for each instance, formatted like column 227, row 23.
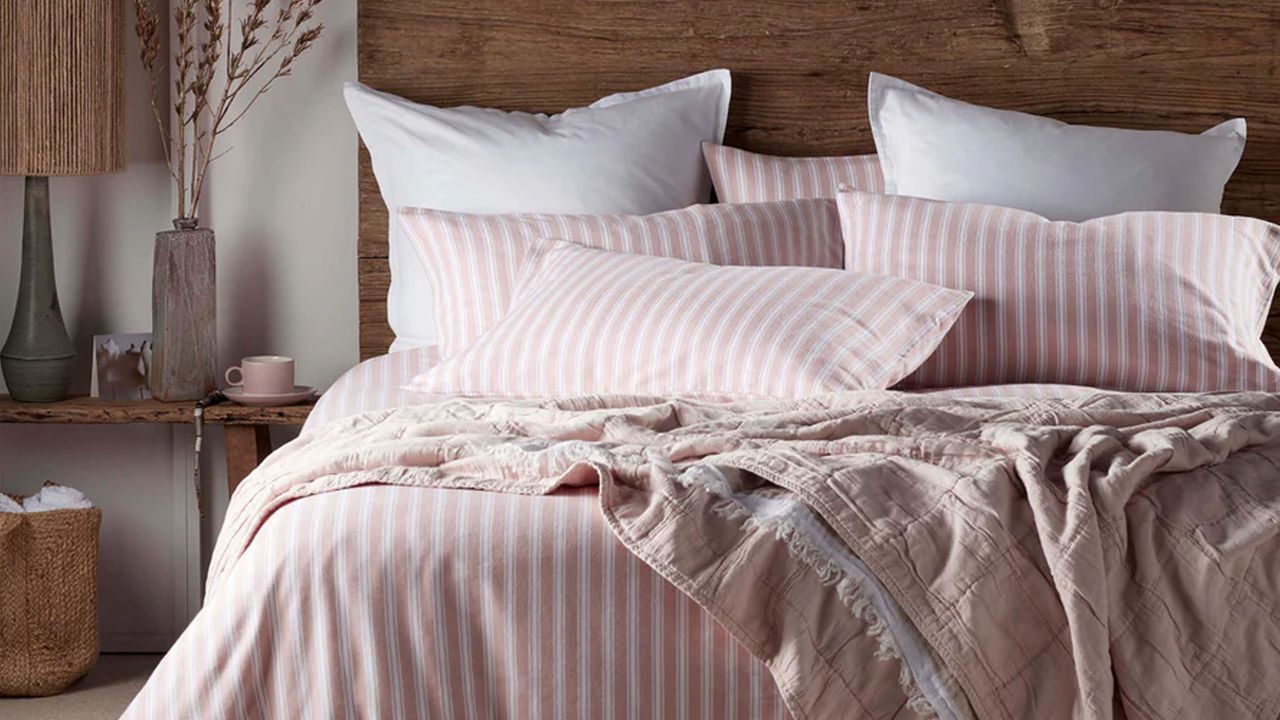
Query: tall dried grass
column 207, row 43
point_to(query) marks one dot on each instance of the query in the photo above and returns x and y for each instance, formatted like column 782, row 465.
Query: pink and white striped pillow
column 588, row 321
column 740, row 176
column 473, row 260
column 1142, row 301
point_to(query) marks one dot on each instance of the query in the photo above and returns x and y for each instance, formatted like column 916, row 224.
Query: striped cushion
column 473, row 260
column 746, row 177
column 1142, row 301
column 588, row 321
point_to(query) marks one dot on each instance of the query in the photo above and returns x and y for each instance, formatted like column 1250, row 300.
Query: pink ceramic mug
column 263, row 375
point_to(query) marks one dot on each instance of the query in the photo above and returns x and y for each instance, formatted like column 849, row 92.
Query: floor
column 101, row 695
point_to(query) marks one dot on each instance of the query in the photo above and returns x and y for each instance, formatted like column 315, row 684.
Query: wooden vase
column 183, row 313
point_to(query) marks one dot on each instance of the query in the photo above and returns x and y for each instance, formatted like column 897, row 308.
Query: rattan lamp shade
column 61, row 87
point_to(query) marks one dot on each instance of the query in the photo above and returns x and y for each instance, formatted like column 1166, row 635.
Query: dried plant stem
column 261, row 91
column 147, row 27
column 203, row 42
column 165, row 142
column 184, row 15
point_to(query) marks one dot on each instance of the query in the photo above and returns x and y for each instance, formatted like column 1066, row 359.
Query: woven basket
column 48, row 600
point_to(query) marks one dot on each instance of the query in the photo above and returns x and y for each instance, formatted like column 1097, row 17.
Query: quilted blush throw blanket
column 1115, row 555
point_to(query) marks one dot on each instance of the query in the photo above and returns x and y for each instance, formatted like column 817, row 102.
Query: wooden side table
column 247, row 429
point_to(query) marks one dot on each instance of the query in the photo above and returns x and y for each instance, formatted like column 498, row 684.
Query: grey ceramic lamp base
column 37, row 358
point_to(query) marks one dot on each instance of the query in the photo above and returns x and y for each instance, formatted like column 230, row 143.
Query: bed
column 351, row 582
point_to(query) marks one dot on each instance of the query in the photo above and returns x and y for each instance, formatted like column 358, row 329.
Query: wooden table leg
column 247, row 446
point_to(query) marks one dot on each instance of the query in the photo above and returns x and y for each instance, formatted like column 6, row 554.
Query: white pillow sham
column 635, row 152
column 931, row 146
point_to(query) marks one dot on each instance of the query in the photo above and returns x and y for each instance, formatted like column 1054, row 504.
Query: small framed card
column 121, row 366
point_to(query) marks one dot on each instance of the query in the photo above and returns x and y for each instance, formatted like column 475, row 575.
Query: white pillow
column 934, row 147
column 633, row 153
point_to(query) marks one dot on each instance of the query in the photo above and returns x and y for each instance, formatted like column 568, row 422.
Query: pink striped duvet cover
column 333, row 598
column 394, row 602
column 398, row 602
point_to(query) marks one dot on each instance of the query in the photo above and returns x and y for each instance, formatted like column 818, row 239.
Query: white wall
column 283, row 205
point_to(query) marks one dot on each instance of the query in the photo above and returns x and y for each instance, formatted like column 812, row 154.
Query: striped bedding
column 397, row 602
column 493, row 249
column 507, row 620
column 348, row 583
column 400, row 602
column 379, row 383
column 585, row 320
column 741, row 176
column 1141, row 301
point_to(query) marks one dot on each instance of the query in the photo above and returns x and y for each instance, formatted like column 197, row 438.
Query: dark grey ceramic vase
column 38, row 355
column 183, row 312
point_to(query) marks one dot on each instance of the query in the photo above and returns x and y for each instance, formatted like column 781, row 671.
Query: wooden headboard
column 800, row 72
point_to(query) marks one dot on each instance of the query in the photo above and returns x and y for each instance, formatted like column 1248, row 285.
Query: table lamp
column 61, row 113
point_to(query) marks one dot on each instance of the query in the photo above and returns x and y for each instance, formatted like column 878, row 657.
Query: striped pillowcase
column 746, row 177
column 588, row 321
column 1142, row 301
column 473, row 260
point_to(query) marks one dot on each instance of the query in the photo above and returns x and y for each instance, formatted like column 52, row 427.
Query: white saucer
column 301, row 393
